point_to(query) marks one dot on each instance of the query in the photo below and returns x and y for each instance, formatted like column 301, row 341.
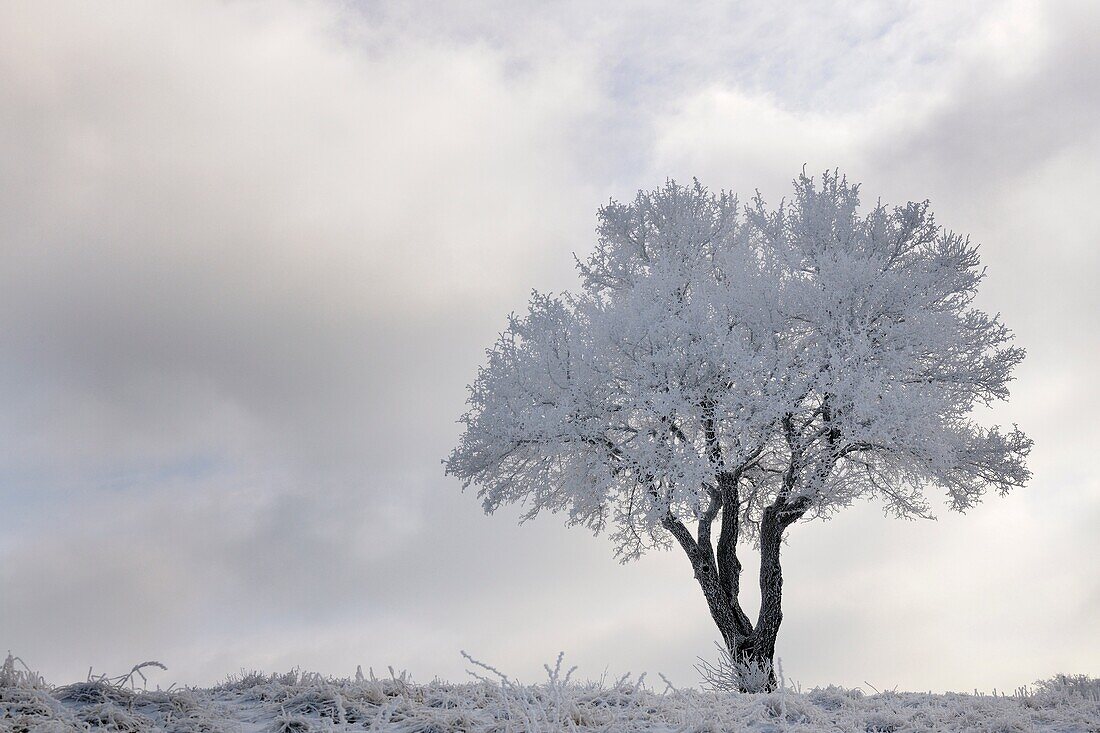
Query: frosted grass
column 297, row 702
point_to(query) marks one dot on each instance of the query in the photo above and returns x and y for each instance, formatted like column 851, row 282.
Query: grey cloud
column 263, row 227
column 1003, row 123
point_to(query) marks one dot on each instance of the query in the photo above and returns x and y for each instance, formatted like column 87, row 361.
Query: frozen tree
column 726, row 371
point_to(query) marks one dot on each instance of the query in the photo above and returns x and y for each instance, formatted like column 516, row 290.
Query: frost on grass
column 493, row 702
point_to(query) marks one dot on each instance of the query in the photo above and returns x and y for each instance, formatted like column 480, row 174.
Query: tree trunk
column 718, row 577
column 754, row 647
column 771, row 592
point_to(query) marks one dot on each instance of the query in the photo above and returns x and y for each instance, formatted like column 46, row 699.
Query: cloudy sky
column 252, row 254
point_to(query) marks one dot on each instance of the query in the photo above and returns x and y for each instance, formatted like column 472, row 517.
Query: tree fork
column 724, row 610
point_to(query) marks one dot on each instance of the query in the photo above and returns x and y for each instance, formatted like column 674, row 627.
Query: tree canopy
column 810, row 353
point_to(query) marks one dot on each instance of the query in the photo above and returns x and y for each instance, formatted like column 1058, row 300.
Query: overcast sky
column 253, row 253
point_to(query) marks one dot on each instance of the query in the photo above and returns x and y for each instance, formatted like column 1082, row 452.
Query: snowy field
column 298, row 702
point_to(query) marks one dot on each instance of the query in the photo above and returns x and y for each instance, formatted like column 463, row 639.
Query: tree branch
column 706, row 519
column 682, row 535
column 729, row 566
column 710, row 431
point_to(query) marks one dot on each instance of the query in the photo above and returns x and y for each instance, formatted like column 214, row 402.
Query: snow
column 254, row 702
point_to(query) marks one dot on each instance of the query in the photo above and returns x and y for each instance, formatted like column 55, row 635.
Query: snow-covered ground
column 295, row 702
